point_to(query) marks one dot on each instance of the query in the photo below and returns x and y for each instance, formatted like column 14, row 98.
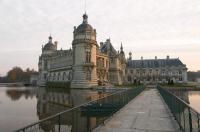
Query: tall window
column 64, row 76
column 88, row 75
column 129, row 78
column 45, row 65
column 88, row 55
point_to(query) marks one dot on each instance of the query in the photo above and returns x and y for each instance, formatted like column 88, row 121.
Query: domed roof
column 49, row 45
column 84, row 26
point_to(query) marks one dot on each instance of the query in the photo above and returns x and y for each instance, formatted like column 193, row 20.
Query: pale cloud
column 146, row 27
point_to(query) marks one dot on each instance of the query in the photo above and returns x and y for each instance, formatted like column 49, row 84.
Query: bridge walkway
column 146, row 113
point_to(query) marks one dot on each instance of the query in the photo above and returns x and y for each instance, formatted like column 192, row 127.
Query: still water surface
column 21, row 106
column 194, row 100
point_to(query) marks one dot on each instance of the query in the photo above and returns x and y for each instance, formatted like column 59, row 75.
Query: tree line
column 192, row 76
column 16, row 74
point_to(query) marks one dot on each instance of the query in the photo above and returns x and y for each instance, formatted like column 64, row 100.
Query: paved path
column 146, row 113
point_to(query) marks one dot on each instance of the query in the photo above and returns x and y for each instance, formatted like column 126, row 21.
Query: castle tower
column 44, row 63
column 84, row 55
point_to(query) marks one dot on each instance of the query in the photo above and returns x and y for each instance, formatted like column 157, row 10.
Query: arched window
column 64, row 76
column 69, row 76
column 49, row 78
column 129, row 78
column 54, row 76
column 58, row 77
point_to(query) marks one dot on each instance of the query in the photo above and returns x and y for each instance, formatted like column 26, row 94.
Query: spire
column 85, row 18
column 121, row 48
column 130, row 56
column 85, row 6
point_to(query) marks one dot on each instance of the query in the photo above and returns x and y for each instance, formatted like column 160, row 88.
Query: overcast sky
column 147, row 28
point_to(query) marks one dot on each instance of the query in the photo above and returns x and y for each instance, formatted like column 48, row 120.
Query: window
column 138, row 71
column 45, row 76
column 88, row 75
column 129, row 78
column 88, row 55
column 54, row 77
column 144, row 71
column 64, row 76
column 131, row 71
column 69, row 76
column 45, row 65
column 58, row 79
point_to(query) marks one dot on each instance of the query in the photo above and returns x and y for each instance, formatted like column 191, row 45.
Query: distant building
column 156, row 70
column 34, row 79
column 90, row 64
column 198, row 80
column 193, row 76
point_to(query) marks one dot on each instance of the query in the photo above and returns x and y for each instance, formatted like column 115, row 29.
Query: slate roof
column 84, row 27
column 108, row 46
column 49, row 46
column 154, row 63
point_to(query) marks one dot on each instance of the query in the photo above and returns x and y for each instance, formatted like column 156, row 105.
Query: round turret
column 84, row 30
column 49, row 46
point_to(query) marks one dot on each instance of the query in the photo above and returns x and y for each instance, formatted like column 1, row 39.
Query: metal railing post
column 190, row 120
column 184, row 118
column 59, row 123
column 187, row 117
column 198, row 122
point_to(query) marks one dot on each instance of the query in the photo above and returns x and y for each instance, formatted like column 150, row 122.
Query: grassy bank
column 129, row 85
column 183, row 86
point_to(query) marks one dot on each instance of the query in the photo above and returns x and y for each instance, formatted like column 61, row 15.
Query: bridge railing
column 187, row 118
column 85, row 117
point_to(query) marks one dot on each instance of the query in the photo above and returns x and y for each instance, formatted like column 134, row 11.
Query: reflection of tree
column 16, row 94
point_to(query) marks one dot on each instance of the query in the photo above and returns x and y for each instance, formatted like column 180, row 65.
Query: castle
column 90, row 64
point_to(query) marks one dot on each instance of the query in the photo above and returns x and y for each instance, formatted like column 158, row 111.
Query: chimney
column 167, row 56
column 130, row 56
column 56, row 44
column 108, row 40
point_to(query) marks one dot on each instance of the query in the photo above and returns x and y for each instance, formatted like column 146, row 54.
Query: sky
column 146, row 28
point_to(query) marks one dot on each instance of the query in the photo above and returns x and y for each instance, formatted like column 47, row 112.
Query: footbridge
column 137, row 109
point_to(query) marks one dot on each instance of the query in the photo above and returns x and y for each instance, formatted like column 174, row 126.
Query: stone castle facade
column 89, row 64
column 85, row 65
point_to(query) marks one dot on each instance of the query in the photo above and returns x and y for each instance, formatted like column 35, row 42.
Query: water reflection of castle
column 51, row 102
column 16, row 94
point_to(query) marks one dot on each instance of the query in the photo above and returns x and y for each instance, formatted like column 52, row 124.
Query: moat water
column 21, row 106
